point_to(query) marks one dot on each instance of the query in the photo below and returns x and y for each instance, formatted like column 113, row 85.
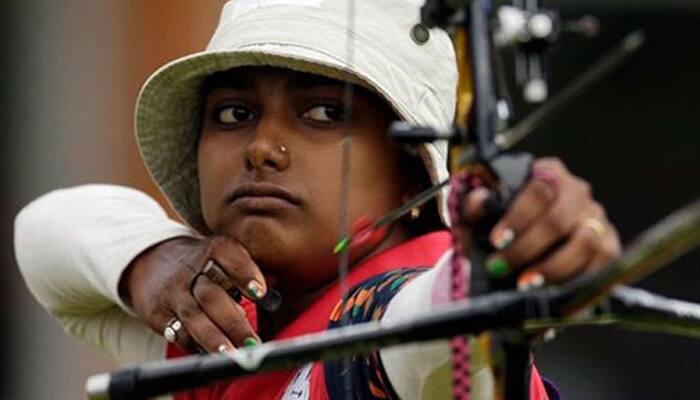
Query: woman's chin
column 257, row 232
column 284, row 250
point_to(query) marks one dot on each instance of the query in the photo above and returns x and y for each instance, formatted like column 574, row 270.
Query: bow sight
column 524, row 26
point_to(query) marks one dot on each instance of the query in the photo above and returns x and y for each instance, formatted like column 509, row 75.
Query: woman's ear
column 424, row 218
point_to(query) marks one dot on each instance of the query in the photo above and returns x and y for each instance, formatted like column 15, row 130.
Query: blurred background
column 71, row 71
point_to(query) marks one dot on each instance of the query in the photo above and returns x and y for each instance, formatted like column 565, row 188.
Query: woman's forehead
column 263, row 78
column 248, row 78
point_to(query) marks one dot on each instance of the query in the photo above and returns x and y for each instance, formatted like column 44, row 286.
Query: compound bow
column 504, row 320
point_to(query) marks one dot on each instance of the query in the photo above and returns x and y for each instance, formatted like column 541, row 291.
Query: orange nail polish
column 529, row 280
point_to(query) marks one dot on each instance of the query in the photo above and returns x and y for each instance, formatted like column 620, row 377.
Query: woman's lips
column 263, row 197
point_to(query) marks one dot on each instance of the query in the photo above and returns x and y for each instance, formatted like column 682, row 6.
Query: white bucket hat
column 418, row 79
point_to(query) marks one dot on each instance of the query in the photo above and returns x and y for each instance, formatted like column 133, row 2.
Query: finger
column 225, row 313
column 608, row 251
column 532, row 244
column 235, row 260
column 473, row 207
column 532, row 202
column 202, row 330
column 555, row 225
column 572, row 258
column 183, row 338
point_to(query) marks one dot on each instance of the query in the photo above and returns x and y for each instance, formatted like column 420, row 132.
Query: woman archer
column 245, row 140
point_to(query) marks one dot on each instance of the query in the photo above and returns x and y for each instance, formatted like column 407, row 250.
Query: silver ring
column 213, row 271
column 171, row 330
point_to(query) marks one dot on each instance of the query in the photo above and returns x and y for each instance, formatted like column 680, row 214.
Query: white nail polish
column 224, row 349
column 505, row 240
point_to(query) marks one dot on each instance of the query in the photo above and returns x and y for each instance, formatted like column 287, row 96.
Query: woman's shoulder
column 368, row 300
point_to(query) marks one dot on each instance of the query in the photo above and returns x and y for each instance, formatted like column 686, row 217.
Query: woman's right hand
column 165, row 282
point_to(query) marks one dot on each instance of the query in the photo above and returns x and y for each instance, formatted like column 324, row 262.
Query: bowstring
column 460, row 271
column 344, row 203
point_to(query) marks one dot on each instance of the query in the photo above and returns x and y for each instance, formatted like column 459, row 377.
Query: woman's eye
column 233, row 115
column 325, row 113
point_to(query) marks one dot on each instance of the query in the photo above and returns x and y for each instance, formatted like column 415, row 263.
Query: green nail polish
column 341, row 246
column 250, row 342
column 497, row 267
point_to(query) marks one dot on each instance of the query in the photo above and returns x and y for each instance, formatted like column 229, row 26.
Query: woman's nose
column 266, row 151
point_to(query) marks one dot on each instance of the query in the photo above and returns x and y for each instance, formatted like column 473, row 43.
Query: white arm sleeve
column 73, row 245
column 423, row 371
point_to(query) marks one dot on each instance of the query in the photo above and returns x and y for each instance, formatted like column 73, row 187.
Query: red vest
column 420, row 252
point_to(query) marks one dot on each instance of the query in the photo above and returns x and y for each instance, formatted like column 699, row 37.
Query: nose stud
column 266, row 155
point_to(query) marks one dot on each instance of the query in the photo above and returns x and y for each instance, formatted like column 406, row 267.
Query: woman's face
column 270, row 157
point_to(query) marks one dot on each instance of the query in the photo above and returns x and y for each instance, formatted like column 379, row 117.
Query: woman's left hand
column 554, row 229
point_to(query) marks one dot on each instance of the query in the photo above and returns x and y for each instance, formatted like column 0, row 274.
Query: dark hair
column 429, row 219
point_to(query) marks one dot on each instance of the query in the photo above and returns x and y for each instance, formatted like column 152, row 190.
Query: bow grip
column 512, row 172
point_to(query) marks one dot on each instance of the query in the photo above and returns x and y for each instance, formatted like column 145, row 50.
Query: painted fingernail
column 529, row 280
column 272, row 300
column 502, row 238
column 497, row 267
column 225, row 349
column 255, row 290
column 548, row 178
column 550, row 335
column 250, row 342
column 474, row 207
